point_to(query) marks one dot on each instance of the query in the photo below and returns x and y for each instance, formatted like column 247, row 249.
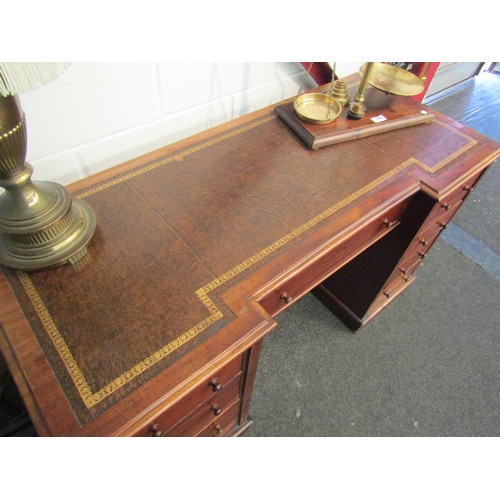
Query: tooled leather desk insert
column 175, row 233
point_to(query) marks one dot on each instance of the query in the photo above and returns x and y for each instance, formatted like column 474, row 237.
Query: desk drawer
column 418, row 249
column 424, row 240
column 440, row 215
column 213, row 385
column 295, row 287
column 403, row 272
column 208, row 411
column 224, row 424
column 392, row 289
column 446, row 207
column 407, row 268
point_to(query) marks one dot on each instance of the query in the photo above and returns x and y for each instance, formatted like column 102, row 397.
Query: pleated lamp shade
column 19, row 77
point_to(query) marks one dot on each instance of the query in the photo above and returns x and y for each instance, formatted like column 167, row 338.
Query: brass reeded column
column 357, row 108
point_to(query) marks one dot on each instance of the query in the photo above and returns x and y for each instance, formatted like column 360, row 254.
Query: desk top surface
column 185, row 234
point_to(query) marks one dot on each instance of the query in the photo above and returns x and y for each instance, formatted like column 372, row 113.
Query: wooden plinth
column 383, row 113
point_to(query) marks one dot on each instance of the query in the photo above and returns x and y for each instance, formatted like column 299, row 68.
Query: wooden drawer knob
column 446, row 206
column 423, row 242
column 468, row 188
column 216, row 409
column 287, row 298
column 156, row 431
column 214, row 383
column 387, row 223
column 217, row 431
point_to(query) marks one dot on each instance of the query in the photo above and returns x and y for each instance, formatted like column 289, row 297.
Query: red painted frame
column 322, row 73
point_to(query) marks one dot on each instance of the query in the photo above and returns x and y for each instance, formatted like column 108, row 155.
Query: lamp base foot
column 64, row 241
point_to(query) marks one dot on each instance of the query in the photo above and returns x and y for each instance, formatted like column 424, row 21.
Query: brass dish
column 317, row 108
column 394, row 80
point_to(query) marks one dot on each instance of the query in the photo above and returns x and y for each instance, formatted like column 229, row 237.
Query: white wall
column 97, row 115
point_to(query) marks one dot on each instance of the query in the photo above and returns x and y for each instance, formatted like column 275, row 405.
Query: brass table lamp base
column 41, row 225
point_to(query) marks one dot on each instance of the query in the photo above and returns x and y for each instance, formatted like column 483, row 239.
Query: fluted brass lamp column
column 41, row 225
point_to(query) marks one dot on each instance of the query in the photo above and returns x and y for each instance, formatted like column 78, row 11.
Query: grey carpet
column 429, row 365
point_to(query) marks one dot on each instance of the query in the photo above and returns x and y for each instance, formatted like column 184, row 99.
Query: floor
column 429, row 365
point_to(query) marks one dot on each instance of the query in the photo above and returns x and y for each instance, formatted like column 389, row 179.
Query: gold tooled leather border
column 90, row 398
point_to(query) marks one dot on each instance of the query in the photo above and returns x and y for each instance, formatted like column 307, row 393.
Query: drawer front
column 208, row 411
column 402, row 273
column 289, row 291
column 424, row 240
column 464, row 190
column 459, row 194
column 407, row 268
column 440, row 215
column 224, row 424
column 391, row 291
column 202, row 392
column 445, row 208
column 418, row 249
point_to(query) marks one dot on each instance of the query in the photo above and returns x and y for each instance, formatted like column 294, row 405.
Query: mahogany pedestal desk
column 199, row 245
